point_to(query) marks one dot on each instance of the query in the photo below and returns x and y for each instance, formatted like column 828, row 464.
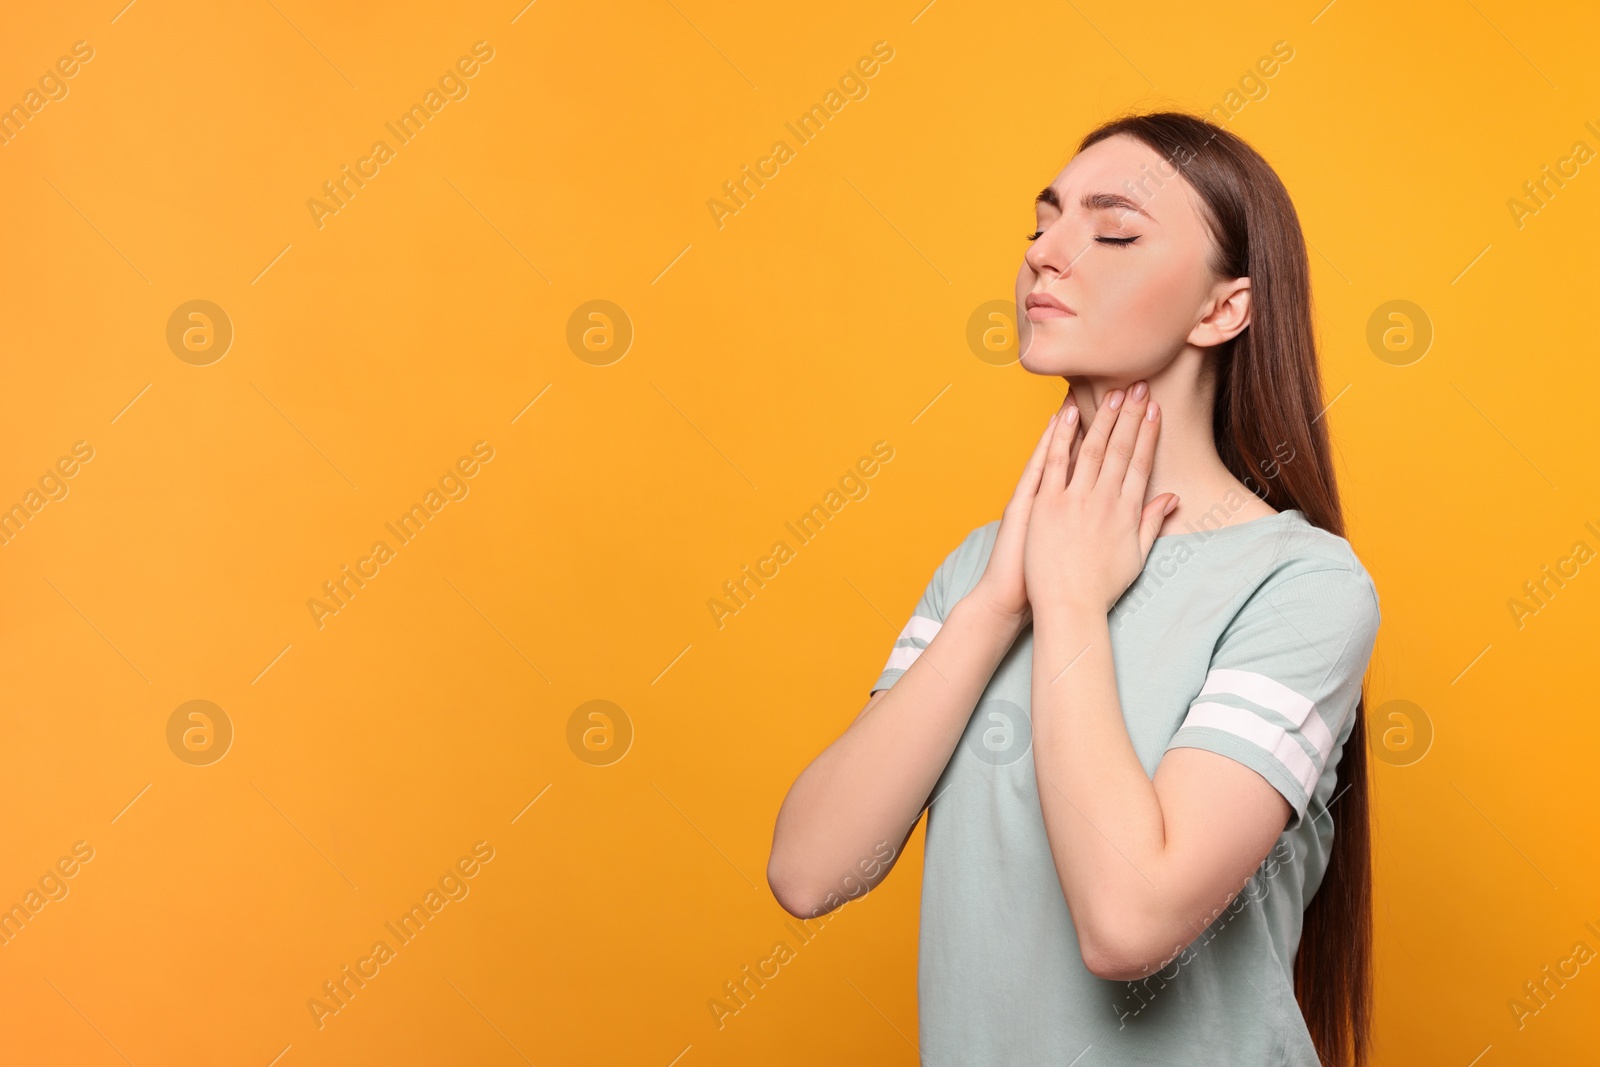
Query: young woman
column 1132, row 706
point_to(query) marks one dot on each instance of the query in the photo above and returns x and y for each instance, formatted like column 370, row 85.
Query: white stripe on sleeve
column 1259, row 732
column 1273, row 695
column 917, row 628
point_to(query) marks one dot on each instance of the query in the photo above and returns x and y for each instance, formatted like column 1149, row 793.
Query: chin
column 1044, row 349
column 1041, row 358
column 1034, row 365
column 1064, row 357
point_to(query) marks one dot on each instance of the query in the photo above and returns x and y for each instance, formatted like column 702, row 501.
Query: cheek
column 1145, row 306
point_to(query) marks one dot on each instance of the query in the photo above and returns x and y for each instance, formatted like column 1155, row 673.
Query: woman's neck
column 1186, row 461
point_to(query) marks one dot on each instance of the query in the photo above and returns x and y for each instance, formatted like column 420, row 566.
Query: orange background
column 768, row 355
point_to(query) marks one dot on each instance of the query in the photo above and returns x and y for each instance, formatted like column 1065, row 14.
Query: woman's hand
column 1002, row 588
column 1088, row 528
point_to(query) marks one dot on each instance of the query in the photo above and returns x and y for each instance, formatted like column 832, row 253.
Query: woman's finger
column 1151, row 518
column 1059, row 454
column 1087, row 469
column 1124, row 434
column 1077, row 435
column 1028, row 485
column 1144, row 453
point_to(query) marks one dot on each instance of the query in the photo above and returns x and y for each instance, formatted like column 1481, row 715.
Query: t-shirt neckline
column 1249, row 524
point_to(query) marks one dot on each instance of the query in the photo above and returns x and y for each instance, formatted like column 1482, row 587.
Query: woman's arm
column 1144, row 864
column 870, row 786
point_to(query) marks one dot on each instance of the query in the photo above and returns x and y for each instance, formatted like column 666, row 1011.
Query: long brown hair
column 1268, row 396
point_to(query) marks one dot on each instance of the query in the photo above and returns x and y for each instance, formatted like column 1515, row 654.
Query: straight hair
column 1269, row 394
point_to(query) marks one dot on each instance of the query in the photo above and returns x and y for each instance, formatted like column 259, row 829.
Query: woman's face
column 1123, row 248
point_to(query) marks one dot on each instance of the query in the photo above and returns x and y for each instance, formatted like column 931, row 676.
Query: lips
column 1040, row 306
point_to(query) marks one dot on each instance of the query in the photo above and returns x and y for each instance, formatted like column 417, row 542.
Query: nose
column 1050, row 253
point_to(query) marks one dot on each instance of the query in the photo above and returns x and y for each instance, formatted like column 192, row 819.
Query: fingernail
column 1139, row 389
column 1150, row 413
column 1114, row 401
column 1170, row 505
column 1072, row 416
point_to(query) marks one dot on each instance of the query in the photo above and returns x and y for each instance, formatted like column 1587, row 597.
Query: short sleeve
column 1284, row 679
column 947, row 585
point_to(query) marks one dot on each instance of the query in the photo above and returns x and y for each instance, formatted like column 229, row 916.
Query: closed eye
column 1119, row 241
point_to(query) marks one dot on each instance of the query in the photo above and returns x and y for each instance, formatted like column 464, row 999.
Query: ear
column 1227, row 315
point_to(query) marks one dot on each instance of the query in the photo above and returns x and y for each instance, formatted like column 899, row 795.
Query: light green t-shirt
column 1248, row 640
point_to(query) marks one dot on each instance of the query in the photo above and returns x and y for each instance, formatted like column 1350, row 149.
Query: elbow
column 783, row 879
column 804, row 896
column 1115, row 966
column 789, row 890
column 1120, row 949
column 784, row 893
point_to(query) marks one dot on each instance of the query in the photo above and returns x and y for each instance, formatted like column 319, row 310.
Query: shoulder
column 980, row 539
column 964, row 563
column 976, row 546
column 1318, row 570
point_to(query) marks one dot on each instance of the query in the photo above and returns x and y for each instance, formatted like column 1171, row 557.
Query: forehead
column 1123, row 167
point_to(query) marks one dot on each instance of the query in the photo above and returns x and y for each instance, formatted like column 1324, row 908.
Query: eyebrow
column 1094, row 202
